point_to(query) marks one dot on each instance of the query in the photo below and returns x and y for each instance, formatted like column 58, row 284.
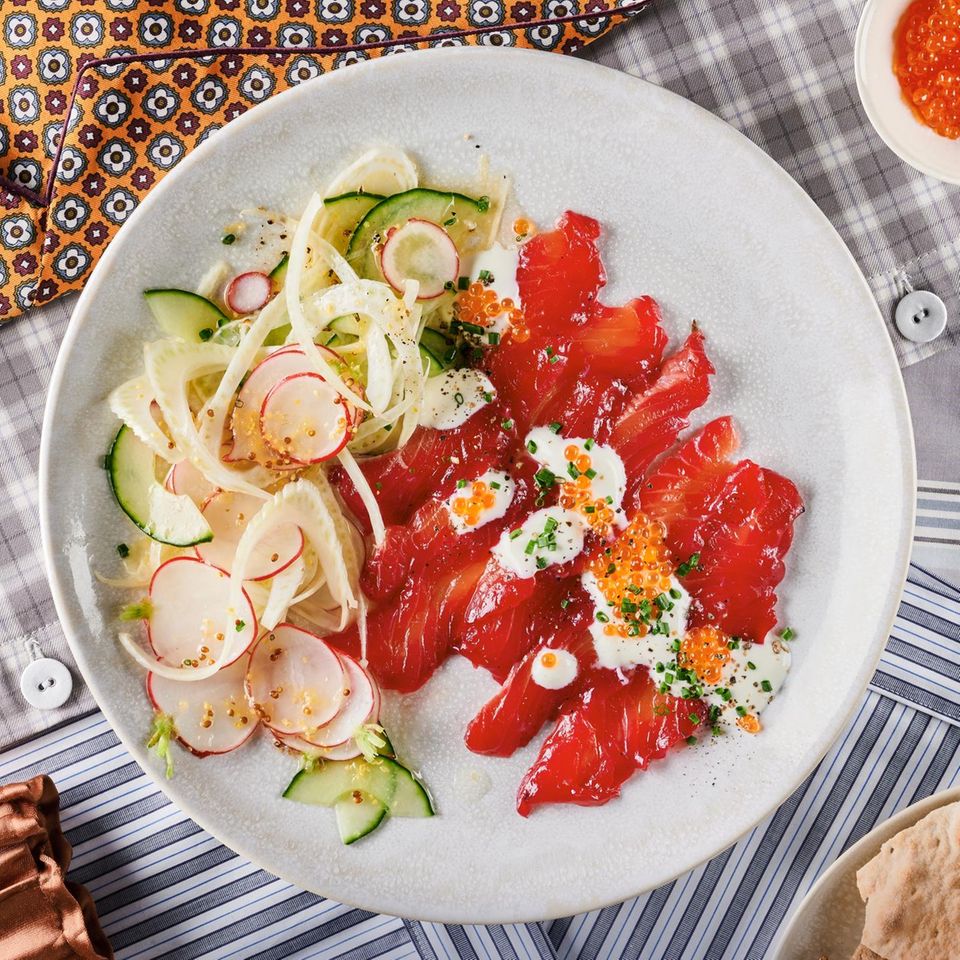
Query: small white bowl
column 883, row 101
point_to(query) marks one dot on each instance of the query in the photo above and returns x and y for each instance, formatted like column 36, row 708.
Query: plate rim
column 506, row 57
column 898, row 822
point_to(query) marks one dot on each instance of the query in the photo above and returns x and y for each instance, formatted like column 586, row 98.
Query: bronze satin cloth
column 42, row 915
column 139, row 83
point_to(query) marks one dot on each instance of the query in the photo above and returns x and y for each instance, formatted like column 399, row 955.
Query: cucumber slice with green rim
column 431, row 364
column 410, row 797
column 183, row 314
column 331, row 779
column 339, row 340
column 349, row 323
column 461, row 216
column 357, row 815
column 444, row 350
column 279, row 273
column 160, row 514
column 344, row 212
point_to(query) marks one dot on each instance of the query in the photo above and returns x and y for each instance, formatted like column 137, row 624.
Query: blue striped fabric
column 165, row 889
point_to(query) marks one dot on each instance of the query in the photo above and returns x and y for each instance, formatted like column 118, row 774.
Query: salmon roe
column 749, row 723
column 469, row 508
column 480, row 305
column 926, row 61
column 578, row 494
column 632, row 573
column 704, row 650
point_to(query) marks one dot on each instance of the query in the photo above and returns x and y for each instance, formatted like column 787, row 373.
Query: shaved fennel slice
column 170, row 366
column 283, row 590
column 131, row 403
column 301, row 327
column 362, row 628
column 212, row 282
column 365, row 493
column 149, row 662
column 383, row 170
column 301, row 503
column 379, row 368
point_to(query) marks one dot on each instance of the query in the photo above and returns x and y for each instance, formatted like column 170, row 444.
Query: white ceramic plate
column 697, row 216
column 830, row 917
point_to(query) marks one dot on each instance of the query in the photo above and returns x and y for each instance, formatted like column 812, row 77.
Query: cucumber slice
column 279, row 273
column 410, row 798
column 184, row 314
column 344, row 213
column 431, row 364
column 461, row 216
column 160, row 514
column 345, row 324
column 340, row 340
column 443, row 349
column 331, row 779
column 357, row 815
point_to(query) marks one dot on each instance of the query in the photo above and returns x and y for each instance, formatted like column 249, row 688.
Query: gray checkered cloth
column 780, row 72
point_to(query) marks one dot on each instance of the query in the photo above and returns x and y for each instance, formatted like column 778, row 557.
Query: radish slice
column 304, row 419
column 210, row 716
column 228, row 515
column 361, row 704
column 423, row 251
column 184, row 477
column 248, row 292
column 192, row 623
column 295, row 682
column 343, row 751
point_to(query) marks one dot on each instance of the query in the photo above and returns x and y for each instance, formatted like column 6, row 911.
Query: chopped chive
column 612, row 568
column 741, row 711
column 483, row 204
column 608, row 499
column 588, row 444
column 471, row 327
column 545, row 477
column 690, row 564
column 494, row 485
column 564, row 603
column 461, row 484
column 627, row 606
column 459, row 399
column 675, row 646
column 633, row 629
column 692, row 741
column 228, row 238
column 572, row 470
column 205, row 334
column 669, row 678
column 724, row 694
column 716, row 730
column 694, row 718
column 550, row 525
column 602, row 617
column 378, row 485
column 787, row 634
column 123, row 550
column 488, row 396
column 662, row 601
column 659, row 668
column 530, row 547
column 675, row 593
column 554, row 359
column 515, row 533
column 549, row 351
column 541, row 563
column 463, row 283
column 506, row 424
column 664, row 688
column 485, row 276
column 556, row 427
column 733, row 643
column 766, row 686
column 531, row 446
column 451, row 221
column 751, row 665
column 240, row 624
column 589, row 509
column 590, row 472
column 493, row 337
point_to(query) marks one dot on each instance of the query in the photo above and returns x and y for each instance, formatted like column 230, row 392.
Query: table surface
column 166, row 889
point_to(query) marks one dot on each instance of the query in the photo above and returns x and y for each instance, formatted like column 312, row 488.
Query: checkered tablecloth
column 782, row 73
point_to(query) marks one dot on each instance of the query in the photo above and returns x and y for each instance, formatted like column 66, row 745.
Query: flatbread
column 912, row 891
column 865, row 953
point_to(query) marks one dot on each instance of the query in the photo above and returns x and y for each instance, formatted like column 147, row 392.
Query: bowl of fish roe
column 907, row 61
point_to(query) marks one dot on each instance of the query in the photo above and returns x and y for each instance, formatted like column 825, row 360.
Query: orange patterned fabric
column 138, row 83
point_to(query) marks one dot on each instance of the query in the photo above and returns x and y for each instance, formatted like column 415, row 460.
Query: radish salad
column 258, row 386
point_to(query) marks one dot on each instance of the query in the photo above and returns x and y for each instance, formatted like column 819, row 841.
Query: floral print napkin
column 100, row 98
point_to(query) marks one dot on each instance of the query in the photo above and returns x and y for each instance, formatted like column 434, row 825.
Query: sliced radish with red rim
column 192, row 621
column 423, row 251
column 185, row 478
column 295, row 681
column 361, row 704
column 248, row 292
column 304, row 419
column 211, row 716
column 228, row 515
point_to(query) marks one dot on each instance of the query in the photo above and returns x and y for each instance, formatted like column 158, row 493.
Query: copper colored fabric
column 42, row 915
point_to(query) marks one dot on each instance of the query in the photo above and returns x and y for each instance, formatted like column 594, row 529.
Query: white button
column 921, row 316
column 46, row 684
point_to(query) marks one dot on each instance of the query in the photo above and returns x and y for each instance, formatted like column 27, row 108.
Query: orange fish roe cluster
column 926, row 61
column 749, row 723
column 469, row 508
column 548, row 659
column 705, row 651
column 522, row 228
column 633, row 574
column 479, row 305
column 578, row 494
